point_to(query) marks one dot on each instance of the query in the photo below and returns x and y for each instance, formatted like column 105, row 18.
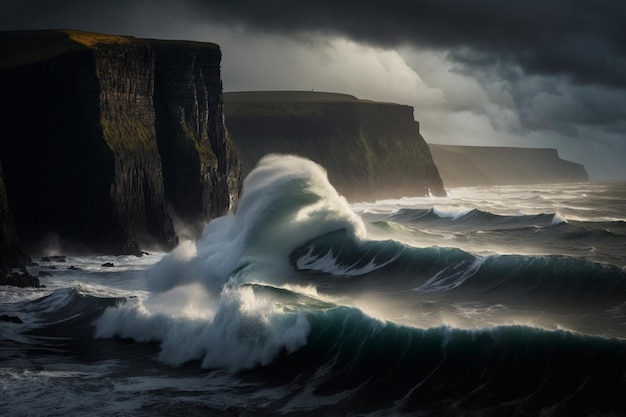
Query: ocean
column 492, row 301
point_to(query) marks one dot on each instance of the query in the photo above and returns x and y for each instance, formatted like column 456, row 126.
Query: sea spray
column 287, row 201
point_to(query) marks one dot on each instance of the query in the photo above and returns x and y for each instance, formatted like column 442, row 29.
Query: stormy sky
column 538, row 73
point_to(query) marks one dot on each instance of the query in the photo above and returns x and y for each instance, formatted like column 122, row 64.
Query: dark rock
column 108, row 265
column 20, row 279
column 370, row 150
column 10, row 319
column 11, row 255
column 44, row 274
column 73, row 268
column 54, row 258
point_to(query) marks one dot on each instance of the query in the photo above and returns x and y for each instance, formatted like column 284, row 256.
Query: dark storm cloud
column 580, row 39
column 583, row 40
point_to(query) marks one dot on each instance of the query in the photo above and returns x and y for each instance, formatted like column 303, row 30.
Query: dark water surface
column 490, row 302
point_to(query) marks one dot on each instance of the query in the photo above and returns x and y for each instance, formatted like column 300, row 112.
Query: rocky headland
column 371, row 150
column 465, row 166
column 108, row 141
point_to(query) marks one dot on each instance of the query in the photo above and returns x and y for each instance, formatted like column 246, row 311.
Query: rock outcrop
column 11, row 255
column 89, row 122
column 371, row 150
column 464, row 166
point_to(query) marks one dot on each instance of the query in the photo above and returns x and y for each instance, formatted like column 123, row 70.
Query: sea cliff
column 11, row 255
column 99, row 148
column 371, row 150
column 463, row 166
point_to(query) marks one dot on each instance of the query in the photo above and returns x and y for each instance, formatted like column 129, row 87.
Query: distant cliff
column 371, row 150
column 104, row 137
column 462, row 166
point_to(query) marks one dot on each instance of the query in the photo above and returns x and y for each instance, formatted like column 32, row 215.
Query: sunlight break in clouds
column 324, row 64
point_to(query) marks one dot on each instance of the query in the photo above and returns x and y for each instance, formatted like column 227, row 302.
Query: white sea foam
column 451, row 276
column 558, row 219
column 328, row 263
column 237, row 330
column 450, row 213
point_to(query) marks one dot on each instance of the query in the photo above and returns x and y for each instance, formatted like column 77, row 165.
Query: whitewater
column 500, row 301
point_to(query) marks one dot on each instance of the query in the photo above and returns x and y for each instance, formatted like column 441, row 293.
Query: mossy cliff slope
column 463, row 166
column 82, row 148
column 371, row 150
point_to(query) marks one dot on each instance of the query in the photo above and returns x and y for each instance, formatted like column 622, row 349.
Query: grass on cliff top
column 183, row 43
column 90, row 39
column 287, row 97
column 280, row 103
column 20, row 48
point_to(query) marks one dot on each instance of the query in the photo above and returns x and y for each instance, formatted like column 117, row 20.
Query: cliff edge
column 464, row 166
column 88, row 124
column 371, row 150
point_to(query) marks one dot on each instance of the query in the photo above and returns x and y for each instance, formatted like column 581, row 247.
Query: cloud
column 584, row 41
column 549, row 73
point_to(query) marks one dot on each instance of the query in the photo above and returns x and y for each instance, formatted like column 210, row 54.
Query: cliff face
column 125, row 74
column 200, row 165
column 370, row 150
column 81, row 147
column 11, row 255
column 462, row 166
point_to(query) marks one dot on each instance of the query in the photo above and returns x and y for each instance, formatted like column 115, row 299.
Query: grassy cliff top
column 90, row 39
column 282, row 103
column 495, row 149
column 19, row 48
column 287, row 97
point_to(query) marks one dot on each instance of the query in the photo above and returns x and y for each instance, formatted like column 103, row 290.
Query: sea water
column 490, row 301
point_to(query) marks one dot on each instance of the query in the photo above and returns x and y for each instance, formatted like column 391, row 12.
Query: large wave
column 359, row 364
column 453, row 272
column 199, row 309
column 286, row 201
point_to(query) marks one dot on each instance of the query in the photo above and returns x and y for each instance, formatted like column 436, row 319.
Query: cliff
column 201, row 168
column 11, row 255
column 371, row 150
column 462, row 166
column 88, row 124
